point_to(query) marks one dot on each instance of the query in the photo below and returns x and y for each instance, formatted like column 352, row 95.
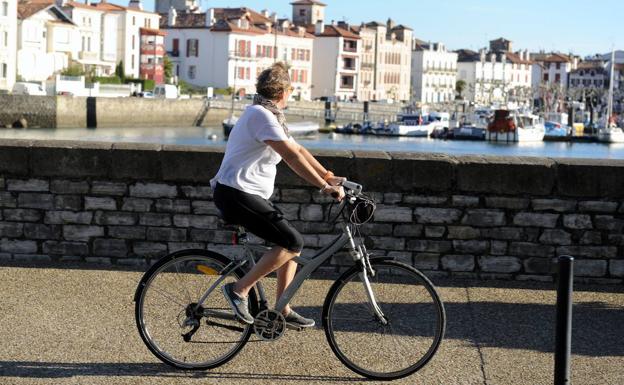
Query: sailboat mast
column 611, row 80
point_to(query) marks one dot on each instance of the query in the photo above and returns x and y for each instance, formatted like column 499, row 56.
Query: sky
column 578, row 26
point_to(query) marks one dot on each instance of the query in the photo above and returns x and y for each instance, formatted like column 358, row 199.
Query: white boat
column 519, row 127
column 419, row 125
column 608, row 130
column 300, row 129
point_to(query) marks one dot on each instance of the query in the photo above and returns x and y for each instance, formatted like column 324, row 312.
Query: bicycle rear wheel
column 173, row 327
column 413, row 310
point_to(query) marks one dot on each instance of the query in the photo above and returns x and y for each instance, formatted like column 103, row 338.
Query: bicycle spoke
column 168, row 296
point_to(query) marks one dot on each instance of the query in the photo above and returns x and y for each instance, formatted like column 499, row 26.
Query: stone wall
column 465, row 216
column 39, row 111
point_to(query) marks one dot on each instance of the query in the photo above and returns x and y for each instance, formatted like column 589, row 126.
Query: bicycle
column 383, row 319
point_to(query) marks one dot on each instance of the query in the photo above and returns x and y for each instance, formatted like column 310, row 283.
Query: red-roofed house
column 552, row 69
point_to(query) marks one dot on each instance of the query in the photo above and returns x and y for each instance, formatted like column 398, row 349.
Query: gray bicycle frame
column 309, row 266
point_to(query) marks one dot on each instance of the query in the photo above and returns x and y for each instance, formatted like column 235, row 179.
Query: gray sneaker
column 296, row 321
column 238, row 303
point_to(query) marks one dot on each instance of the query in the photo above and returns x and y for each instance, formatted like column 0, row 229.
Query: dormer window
column 302, row 12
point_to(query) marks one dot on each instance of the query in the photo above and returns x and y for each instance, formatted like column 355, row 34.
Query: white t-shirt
column 249, row 164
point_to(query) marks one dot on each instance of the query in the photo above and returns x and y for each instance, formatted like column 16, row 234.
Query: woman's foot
column 239, row 304
column 296, row 321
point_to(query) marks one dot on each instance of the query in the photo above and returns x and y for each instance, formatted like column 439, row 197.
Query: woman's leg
column 285, row 275
column 270, row 261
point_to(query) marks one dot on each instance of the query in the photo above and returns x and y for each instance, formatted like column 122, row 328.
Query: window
column 545, row 77
column 558, row 66
column 6, row 38
column 302, row 12
column 175, row 51
column 133, row 38
column 192, row 47
column 191, row 72
column 5, row 8
column 557, row 78
column 133, row 20
column 132, row 62
column 3, row 71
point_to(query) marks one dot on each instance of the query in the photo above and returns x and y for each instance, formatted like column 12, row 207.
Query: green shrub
column 146, row 84
column 107, row 80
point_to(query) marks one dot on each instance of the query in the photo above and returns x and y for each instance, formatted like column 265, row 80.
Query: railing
column 151, row 67
column 349, row 48
column 87, row 55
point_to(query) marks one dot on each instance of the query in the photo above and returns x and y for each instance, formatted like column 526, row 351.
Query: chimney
column 274, row 17
column 265, row 13
column 319, row 28
column 333, row 22
column 210, row 17
column 171, row 17
column 136, row 4
column 301, row 31
column 482, row 54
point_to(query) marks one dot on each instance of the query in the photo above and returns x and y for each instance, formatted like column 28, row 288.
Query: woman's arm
column 318, row 167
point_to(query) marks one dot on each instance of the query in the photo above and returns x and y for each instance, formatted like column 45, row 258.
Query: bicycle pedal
column 295, row 328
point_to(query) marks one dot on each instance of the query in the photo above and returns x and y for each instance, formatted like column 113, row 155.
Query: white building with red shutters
column 229, row 47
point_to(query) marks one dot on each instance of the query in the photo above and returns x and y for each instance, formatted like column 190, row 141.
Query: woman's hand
column 336, row 180
column 336, row 192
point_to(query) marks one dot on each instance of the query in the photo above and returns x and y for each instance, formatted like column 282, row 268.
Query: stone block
column 7, row 199
column 393, row 214
column 36, row 201
column 424, row 200
column 108, row 188
column 506, row 175
column 556, row 237
column 464, row 201
column 166, row 234
column 609, row 223
column 463, row 232
column 458, row 262
column 290, row 210
column 115, row 218
column 507, row 203
column 499, row 264
column 484, row 218
column 127, row 232
column 31, row 258
column 371, row 169
column 39, row 231
column 313, row 227
column 426, row 261
column 65, row 248
column 14, row 157
column 196, row 221
column 66, row 186
column 591, row 238
column 435, row 231
column 68, row 202
column 577, row 221
column 296, row 196
column 67, row 217
column 71, row 159
column 593, row 252
column 153, row 190
column 558, row 205
column 99, row 260
column 429, row 246
column 388, row 243
column 177, row 246
column 310, row 240
column 598, row 206
column 312, row 212
column 373, row 228
column 110, row 248
column 590, row 178
column 418, row 171
column 616, row 268
column 498, row 248
column 28, row 185
column 82, row 232
column 471, row 247
column 136, row 161
column 11, row 229
column 15, row 246
column 196, row 192
column 590, row 268
column 22, row 215
column 411, row 230
column 536, row 220
column 428, row 215
column 140, row 205
column 199, row 207
column 149, row 249
column 155, row 219
column 616, row 239
column 392, row 198
column 526, row 249
column 536, row 265
column 182, row 206
column 100, row 203
column 201, row 163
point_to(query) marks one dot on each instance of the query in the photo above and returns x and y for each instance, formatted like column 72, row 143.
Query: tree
column 120, row 72
column 168, row 68
column 460, row 86
column 73, row 70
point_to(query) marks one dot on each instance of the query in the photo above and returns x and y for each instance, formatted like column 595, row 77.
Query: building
column 386, row 58
column 308, row 12
column 48, row 40
column 229, row 47
column 163, row 6
column 152, row 55
column 589, row 75
column 8, row 44
column 496, row 76
column 552, row 69
column 434, row 73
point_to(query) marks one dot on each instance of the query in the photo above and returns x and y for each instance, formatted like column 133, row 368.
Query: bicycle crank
column 269, row 325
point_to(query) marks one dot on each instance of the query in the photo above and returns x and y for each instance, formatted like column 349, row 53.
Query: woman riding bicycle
column 245, row 182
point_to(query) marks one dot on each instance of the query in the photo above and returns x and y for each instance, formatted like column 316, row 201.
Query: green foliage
column 107, row 80
column 460, row 86
column 73, row 70
column 146, row 84
column 119, row 71
column 224, row 91
column 186, row 88
column 168, row 67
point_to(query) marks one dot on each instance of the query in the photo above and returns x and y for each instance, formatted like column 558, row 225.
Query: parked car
column 147, row 94
column 24, row 88
column 166, row 91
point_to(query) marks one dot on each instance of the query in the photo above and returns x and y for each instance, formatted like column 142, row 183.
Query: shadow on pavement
column 32, row 369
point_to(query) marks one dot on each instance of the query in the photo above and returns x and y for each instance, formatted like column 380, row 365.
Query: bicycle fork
column 361, row 256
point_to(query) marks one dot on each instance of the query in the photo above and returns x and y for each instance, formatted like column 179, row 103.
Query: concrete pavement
column 76, row 326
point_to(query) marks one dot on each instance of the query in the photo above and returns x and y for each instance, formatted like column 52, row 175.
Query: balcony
column 151, row 49
column 349, row 46
column 151, row 68
column 86, row 55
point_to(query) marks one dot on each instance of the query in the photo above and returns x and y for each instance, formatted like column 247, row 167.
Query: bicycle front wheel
column 173, row 325
column 403, row 341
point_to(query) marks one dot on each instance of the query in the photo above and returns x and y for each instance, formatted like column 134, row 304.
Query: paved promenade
column 76, row 326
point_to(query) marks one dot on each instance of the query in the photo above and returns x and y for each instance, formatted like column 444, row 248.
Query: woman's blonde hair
column 273, row 81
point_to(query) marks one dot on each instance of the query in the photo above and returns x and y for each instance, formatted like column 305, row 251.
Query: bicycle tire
column 208, row 257
column 330, row 320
